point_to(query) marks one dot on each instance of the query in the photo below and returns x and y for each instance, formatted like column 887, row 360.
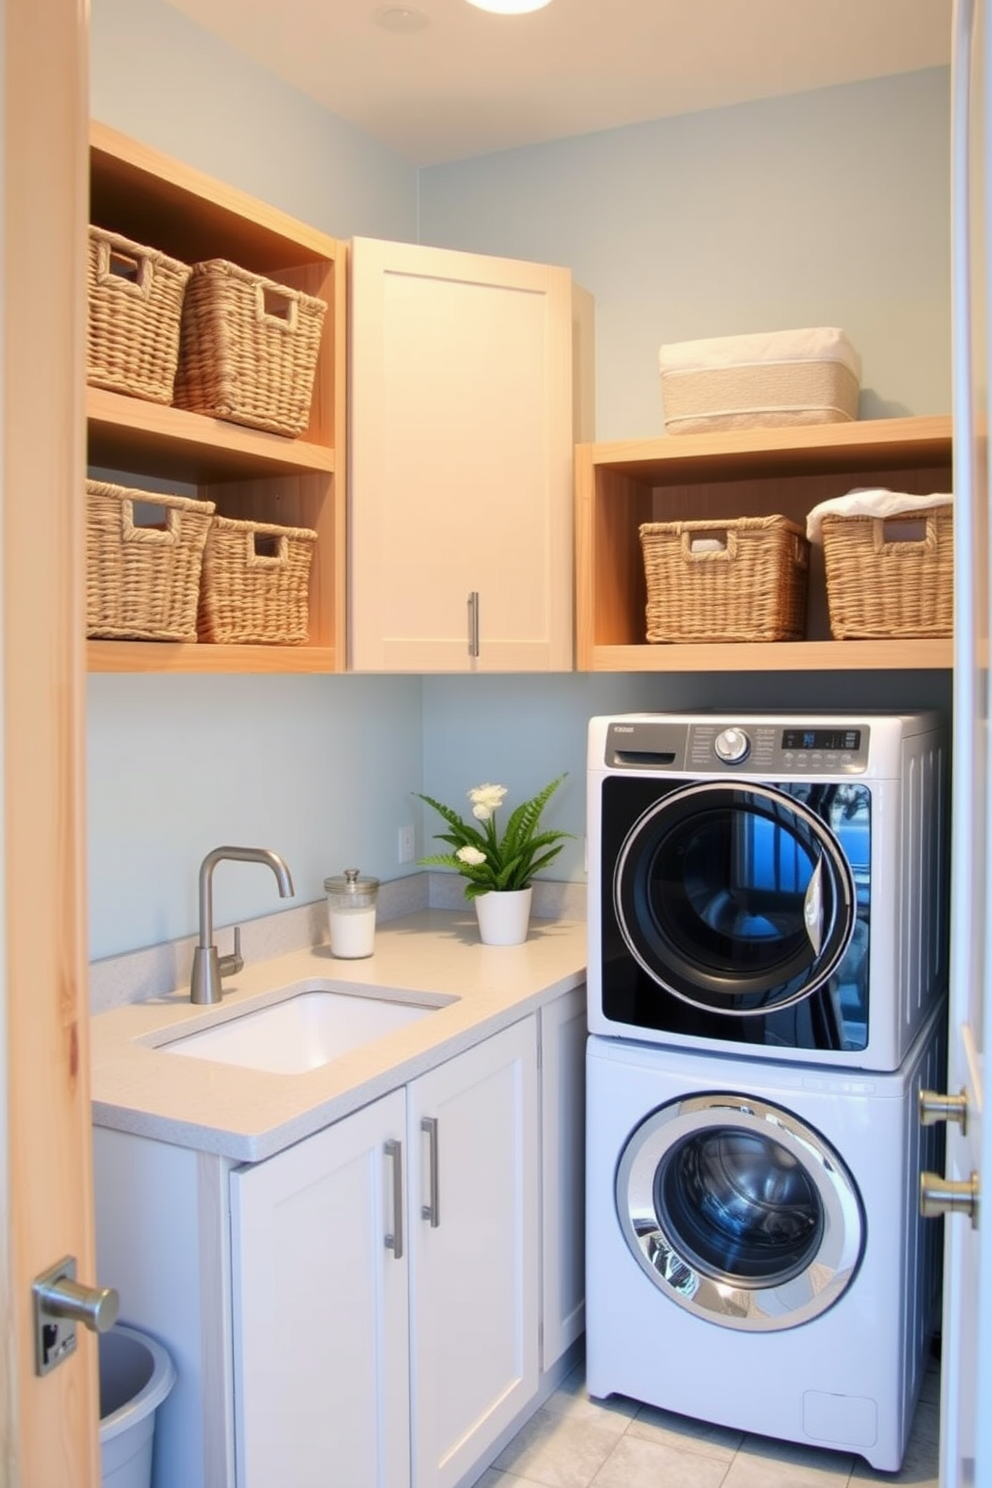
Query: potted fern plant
column 498, row 867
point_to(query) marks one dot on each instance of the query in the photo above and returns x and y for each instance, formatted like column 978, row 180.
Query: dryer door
column 739, row 1212
column 738, row 899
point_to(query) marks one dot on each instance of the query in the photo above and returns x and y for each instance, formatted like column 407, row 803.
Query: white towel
column 871, row 502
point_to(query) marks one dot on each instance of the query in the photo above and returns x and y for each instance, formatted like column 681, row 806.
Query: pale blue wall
column 823, row 209
column 156, row 75
column 323, row 768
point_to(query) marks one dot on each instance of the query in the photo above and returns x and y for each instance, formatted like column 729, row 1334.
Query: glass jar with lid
column 351, row 902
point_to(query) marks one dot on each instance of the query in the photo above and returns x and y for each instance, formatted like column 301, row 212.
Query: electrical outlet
column 406, row 845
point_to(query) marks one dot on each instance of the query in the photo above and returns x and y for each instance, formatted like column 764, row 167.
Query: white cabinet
column 364, row 1308
column 320, row 1306
column 473, row 1251
column 358, row 1285
column 563, row 1108
column 461, row 404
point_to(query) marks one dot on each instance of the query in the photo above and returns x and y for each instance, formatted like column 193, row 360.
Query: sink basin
column 301, row 1032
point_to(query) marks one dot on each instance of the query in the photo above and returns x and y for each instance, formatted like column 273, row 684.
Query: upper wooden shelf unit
column 753, row 473
column 159, row 202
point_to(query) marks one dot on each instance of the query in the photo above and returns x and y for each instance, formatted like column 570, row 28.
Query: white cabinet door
column 461, row 399
column 320, row 1310
column 563, row 1089
column 473, row 1126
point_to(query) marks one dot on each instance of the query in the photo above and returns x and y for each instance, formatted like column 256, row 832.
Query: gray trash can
column 136, row 1375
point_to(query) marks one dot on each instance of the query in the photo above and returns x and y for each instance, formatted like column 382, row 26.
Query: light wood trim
column 53, row 1438
column 834, row 446
column 784, row 656
column 188, row 446
column 169, row 656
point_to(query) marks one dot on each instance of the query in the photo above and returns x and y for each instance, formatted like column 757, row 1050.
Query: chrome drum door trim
column 828, row 916
column 820, row 1253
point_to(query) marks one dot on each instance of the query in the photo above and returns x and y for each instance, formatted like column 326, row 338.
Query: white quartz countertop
column 246, row 1114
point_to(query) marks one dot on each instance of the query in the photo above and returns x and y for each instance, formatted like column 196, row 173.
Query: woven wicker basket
column 248, row 349
column 890, row 577
column 135, row 309
column 256, row 581
column 743, row 580
column 142, row 582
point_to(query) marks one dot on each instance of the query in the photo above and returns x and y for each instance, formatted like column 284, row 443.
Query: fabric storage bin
column 743, row 580
column 248, row 348
column 256, row 583
column 135, row 309
column 769, row 380
column 889, row 563
column 142, row 582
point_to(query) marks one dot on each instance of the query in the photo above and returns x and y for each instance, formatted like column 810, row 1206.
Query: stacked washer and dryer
column 767, row 978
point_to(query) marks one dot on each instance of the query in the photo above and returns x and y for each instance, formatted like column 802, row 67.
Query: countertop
column 246, row 1114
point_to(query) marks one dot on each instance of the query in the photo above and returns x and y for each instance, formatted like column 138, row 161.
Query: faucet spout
column 208, row 967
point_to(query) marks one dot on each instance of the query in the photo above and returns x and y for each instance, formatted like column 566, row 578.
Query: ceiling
column 438, row 80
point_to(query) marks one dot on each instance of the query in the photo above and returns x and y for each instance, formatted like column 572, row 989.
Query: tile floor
column 575, row 1442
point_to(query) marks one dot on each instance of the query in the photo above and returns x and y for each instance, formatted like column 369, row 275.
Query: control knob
column 732, row 745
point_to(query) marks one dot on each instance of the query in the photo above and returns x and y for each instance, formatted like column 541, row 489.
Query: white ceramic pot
column 503, row 918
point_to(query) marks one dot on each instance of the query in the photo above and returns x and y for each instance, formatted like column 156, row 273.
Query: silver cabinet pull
column 473, row 623
column 949, row 1196
column 936, row 1107
column 394, row 1242
column 432, row 1209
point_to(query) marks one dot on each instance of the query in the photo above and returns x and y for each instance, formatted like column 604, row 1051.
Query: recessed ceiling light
column 509, row 7
column 401, row 18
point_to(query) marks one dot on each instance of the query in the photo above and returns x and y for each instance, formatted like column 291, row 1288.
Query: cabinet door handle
column 432, row 1209
column 473, row 623
column 394, row 1242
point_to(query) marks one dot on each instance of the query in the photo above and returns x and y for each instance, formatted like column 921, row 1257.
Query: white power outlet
column 406, row 848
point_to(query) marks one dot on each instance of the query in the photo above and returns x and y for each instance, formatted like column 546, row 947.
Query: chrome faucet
column 208, row 967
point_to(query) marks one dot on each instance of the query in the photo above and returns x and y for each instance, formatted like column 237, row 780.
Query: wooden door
column 320, row 1309
column 461, row 400
column 48, row 1426
column 473, row 1251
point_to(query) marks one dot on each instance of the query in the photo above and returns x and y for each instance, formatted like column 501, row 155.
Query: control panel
column 770, row 748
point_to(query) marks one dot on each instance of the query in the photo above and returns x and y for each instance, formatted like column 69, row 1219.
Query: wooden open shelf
column 721, row 476
column 157, row 201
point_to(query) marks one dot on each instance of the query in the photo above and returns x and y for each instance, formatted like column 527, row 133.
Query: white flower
column 470, row 855
column 485, row 800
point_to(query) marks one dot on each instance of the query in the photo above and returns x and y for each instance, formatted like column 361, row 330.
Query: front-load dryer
column 755, row 1253
column 769, row 884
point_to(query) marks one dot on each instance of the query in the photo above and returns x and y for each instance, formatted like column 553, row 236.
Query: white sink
column 302, row 1032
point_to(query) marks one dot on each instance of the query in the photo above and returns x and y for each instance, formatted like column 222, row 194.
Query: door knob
column 949, row 1196
column 935, row 1107
column 60, row 1302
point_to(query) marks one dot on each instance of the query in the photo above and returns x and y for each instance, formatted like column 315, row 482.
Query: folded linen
column 871, row 502
column 812, row 344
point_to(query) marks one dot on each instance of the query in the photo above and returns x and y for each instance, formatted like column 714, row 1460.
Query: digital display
column 846, row 739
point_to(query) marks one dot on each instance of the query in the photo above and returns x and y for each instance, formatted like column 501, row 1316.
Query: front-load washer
column 755, row 1253
column 772, row 884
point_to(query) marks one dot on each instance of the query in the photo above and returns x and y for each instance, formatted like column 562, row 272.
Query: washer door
column 736, row 898
column 739, row 1212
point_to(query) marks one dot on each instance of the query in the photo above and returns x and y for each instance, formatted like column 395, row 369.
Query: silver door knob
column 935, row 1107
column 949, row 1196
column 60, row 1302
